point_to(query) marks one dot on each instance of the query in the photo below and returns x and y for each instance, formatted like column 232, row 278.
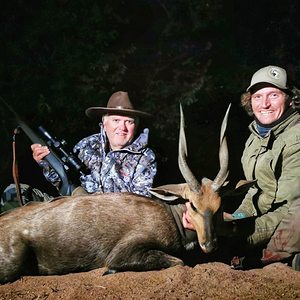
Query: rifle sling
column 15, row 168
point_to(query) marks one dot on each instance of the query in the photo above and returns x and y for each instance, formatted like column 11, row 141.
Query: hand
column 187, row 220
column 39, row 152
column 228, row 217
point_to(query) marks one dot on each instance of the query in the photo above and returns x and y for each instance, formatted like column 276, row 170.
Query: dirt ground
column 204, row 281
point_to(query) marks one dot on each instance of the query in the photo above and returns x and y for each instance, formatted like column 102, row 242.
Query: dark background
column 60, row 57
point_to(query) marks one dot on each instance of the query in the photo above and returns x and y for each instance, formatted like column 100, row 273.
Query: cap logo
column 275, row 73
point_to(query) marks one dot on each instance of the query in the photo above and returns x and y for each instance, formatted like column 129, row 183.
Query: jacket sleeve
column 50, row 174
column 144, row 174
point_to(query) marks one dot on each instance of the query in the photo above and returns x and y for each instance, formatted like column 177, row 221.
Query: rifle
column 61, row 164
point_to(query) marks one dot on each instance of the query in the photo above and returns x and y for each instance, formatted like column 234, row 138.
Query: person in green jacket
column 269, row 215
column 272, row 156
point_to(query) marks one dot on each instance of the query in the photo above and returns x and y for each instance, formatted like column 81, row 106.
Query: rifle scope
column 67, row 158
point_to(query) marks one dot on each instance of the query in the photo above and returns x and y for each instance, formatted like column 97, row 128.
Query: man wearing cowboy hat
column 118, row 163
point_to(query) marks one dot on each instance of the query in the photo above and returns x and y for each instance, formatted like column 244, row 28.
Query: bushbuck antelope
column 121, row 231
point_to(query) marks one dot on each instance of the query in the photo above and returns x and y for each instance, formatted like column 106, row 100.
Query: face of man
column 120, row 130
column 268, row 104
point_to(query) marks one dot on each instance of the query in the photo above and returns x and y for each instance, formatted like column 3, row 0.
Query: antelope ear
column 241, row 187
column 169, row 192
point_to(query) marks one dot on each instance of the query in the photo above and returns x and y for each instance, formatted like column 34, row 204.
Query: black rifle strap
column 15, row 168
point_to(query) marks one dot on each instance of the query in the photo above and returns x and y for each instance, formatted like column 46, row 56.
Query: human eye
column 273, row 95
column 130, row 121
column 116, row 120
column 256, row 96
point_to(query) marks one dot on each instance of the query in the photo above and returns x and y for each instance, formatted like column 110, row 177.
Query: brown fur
column 121, row 231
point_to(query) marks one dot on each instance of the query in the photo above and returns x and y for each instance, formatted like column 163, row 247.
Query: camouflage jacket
column 131, row 169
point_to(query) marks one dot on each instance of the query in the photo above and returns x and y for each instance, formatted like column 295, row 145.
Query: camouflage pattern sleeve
column 50, row 174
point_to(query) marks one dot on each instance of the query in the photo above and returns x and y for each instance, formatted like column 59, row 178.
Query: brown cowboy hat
column 118, row 104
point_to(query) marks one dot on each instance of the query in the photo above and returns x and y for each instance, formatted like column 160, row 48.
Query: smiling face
column 120, row 130
column 268, row 104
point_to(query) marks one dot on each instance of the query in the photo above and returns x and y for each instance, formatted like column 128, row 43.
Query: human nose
column 265, row 101
column 122, row 126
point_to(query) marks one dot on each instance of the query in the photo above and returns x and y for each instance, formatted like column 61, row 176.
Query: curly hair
column 292, row 93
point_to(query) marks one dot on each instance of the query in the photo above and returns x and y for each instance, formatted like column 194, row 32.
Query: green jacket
column 274, row 160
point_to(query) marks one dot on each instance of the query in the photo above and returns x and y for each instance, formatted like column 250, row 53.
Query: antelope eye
column 193, row 207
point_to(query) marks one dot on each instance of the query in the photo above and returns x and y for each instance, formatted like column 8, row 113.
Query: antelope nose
column 209, row 246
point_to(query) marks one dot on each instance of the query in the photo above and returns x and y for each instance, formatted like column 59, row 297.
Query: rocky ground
column 204, row 281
